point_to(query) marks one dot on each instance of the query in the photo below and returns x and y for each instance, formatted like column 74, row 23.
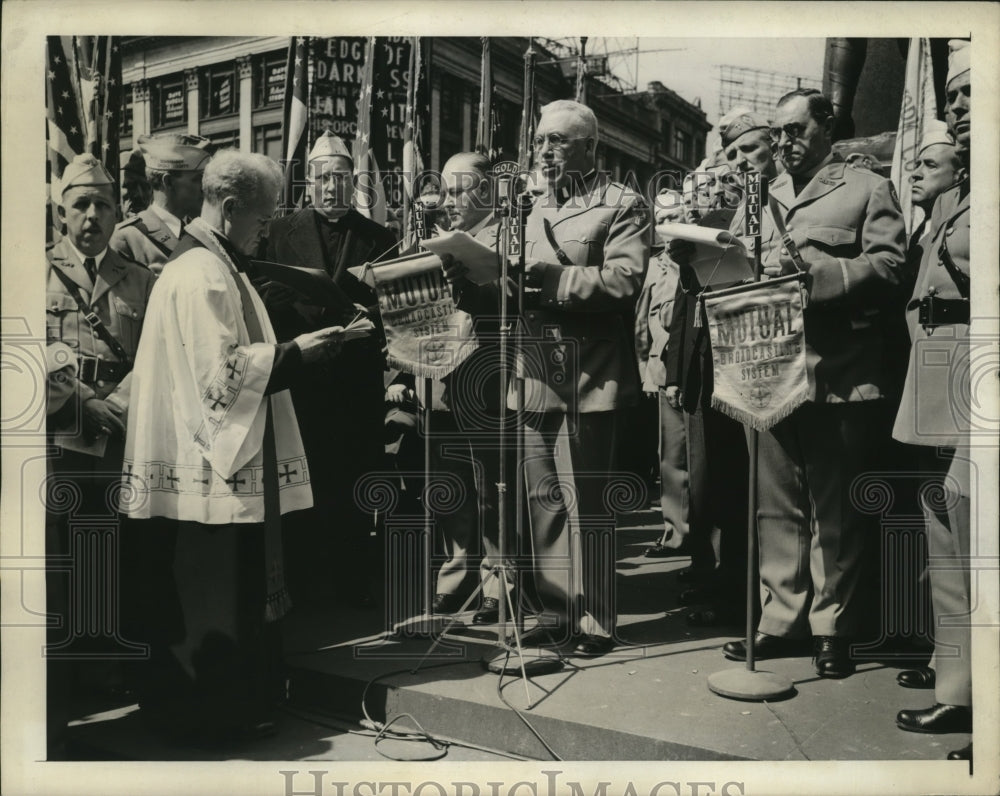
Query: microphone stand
column 513, row 212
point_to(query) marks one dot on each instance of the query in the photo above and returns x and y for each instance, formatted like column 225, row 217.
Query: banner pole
column 749, row 683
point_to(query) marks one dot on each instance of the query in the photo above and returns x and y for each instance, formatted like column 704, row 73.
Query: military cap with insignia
column 175, row 151
column 329, row 145
column 84, row 170
column 739, row 121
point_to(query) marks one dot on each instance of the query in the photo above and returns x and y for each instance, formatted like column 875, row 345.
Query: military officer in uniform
column 587, row 245
column 95, row 305
column 934, row 415
column 341, row 411
column 845, row 229
column 174, row 163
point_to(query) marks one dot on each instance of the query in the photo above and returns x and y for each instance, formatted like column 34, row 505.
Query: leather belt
column 96, row 369
column 934, row 311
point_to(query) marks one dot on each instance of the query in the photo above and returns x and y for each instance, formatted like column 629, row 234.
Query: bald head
column 467, row 189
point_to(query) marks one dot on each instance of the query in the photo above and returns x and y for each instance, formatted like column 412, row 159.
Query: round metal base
column 754, row 686
column 536, row 661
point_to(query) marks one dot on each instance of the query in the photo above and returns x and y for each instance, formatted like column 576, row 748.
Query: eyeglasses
column 793, row 131
column 554, row 140
column 454, row 193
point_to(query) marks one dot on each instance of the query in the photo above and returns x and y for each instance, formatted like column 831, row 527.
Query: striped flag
column 370, row 196
column 919, row 107
column 487, row 126
column 412, row 162
column 294, row 137
column 83, row 100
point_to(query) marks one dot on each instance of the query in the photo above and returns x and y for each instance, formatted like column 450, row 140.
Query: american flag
column 83, row 100
column 413, row 164
column 371, row 200
column 294, row 137
column 488, row 121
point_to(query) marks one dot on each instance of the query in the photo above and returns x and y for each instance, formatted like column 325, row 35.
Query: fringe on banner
column 757, row 422
column 423, row 370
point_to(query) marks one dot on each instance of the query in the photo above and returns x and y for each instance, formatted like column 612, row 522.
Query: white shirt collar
column 173, row 223
column 80, row 256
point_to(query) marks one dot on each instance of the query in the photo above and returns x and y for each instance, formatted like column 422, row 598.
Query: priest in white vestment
column 213, row 458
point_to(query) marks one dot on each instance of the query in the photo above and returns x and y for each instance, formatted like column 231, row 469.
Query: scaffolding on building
column 757, row 89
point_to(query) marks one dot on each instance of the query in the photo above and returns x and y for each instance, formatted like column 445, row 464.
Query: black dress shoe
column 965, row 753
column 594, row 646
column 832, row 656
column 488, row 613
column 766, row 646
column 936, row 719
column 446, row 603
column 924, row 677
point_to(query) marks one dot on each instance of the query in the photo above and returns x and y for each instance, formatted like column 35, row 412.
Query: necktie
column 90, row 264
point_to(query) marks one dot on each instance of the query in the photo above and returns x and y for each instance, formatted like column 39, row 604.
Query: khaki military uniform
column 579, row 367
column 934, row 413
column 847, row 225
column 119, row 299
column 144, row 239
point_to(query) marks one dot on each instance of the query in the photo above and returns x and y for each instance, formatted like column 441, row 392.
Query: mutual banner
column 426, row 334
column 758, row 347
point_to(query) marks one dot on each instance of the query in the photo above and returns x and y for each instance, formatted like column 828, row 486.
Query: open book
column 720, row 257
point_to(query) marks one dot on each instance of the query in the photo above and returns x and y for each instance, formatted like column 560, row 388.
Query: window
column 267, row 141
column 125, row 128
column 682, row 146
column 220, row 92
column 269, row 79
column 228, row 139
column 168, row 101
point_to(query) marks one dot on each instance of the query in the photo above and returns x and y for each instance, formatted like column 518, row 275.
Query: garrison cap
column 738, row 121
column 936, row 132
column 136, row 164
column 958, row 58
column 84, row 170
column 175, row 151
column 330, row 146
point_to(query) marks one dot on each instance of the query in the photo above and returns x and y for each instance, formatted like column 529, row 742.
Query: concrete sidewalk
column 646, row 701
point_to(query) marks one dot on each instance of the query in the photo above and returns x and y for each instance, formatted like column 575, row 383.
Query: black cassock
column 340, row 408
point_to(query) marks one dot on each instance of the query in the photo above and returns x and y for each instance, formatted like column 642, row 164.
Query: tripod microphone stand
column 512, row 209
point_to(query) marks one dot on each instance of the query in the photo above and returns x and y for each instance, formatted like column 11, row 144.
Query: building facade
column 230, row 90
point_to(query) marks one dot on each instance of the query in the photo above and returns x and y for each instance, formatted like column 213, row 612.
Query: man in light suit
column 174, row 164
column 587, row 245
column 934, row 415
column 846, row 227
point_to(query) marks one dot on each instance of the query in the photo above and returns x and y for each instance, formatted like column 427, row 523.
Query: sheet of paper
column 480, row 259
column 720, row 257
